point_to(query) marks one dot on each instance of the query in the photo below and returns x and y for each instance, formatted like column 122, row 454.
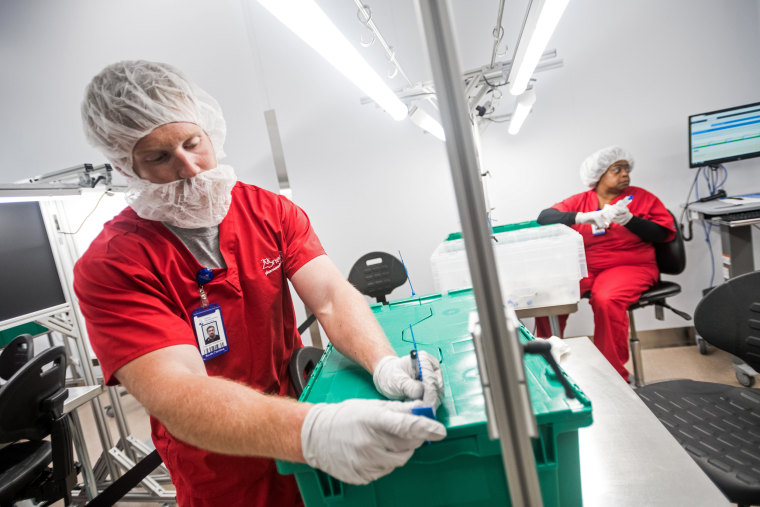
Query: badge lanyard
column 207, row 321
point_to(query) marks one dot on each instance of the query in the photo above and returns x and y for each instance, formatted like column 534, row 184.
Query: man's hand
column 397, row 378
column 358, row 441
column 595, row 218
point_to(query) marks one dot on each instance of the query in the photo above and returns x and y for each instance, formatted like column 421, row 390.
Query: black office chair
column 15, row 355
column 671, row 260
column 31, row 409
column 717, row 424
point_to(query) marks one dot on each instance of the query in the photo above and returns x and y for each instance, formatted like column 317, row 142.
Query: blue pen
column 423, row 411
column 415, row 355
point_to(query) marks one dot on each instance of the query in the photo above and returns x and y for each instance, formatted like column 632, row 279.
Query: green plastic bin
column 466, row 468
column 499, row 228
column 32, row 328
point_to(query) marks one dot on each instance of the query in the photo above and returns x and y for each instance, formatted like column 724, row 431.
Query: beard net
column 189, row 203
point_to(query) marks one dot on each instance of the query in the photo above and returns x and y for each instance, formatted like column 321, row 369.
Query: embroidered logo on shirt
column 269, row 265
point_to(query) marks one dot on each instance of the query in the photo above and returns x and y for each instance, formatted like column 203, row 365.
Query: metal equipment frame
column 506, row 374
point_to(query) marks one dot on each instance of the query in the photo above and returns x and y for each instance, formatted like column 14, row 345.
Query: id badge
column 596, row 231
column 209, row 331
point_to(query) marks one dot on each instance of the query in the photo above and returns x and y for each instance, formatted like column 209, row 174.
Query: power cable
column 88, row 214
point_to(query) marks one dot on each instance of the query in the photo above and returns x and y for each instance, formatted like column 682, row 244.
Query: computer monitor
column 29, row 280
column 724, row 136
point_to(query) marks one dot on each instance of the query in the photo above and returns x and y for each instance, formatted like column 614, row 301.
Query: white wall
column 633, row 71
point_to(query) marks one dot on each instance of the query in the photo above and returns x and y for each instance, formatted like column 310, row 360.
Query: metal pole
column 90, row 484
column 278, row 155
column 498, row 32
column 121, row 422
column 513, row 416
column 389, row 52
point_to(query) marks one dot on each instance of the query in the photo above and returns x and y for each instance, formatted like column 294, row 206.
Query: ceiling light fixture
column 311, row 24
column 423, row 120
column 524, row 105
column 543, row 17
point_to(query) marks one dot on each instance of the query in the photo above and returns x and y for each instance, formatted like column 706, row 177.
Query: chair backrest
column 15, row 355
column 302, row 364
column 376, row 274
column 671, row 256
column 33, row 396
column 728, row 317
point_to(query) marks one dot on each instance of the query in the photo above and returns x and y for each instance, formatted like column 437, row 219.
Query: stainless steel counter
column 627, row 456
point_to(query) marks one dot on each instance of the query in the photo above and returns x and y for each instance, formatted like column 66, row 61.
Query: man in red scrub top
column 619, row 224
column 198, row 249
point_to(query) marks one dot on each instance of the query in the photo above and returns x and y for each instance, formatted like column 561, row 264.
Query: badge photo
column 209, row 331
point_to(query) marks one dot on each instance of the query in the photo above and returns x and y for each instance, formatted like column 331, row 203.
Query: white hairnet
column 598, row 162
column 127, row 100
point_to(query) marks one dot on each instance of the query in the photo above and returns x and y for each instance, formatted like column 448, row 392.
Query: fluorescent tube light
column 310, row 23
column 524, row 105
column 427, row 123
column 21, row 192
column 542, row 19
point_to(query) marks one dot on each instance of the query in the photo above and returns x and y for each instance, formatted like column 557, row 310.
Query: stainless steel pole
column 278, row 155
column 514, row 419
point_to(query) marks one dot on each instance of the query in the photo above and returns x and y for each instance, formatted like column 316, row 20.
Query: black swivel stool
column 376, row 274
column 671, row 260
column 717, row 424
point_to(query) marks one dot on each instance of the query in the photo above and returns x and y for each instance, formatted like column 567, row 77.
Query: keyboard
column 739, row 215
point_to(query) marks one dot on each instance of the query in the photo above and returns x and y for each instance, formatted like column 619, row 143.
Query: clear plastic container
column 537, row 266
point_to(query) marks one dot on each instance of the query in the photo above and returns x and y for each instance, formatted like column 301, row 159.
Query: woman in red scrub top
column 619, row 224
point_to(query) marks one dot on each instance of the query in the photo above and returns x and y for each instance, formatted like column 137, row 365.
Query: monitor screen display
column 724, row 136
column 29, row 280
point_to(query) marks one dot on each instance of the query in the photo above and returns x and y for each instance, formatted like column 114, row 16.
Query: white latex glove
column 617, row 213
column 623, row 214
column 358, row 441
column 396, row 378
column 559, row 347
column 609, row 213
column 593, row 218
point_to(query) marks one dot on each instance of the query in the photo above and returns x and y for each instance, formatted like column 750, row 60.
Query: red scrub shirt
column 621, row 266
column 137, row 289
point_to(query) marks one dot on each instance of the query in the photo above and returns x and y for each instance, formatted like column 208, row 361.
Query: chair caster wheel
column 702, row 345
column 744, row 379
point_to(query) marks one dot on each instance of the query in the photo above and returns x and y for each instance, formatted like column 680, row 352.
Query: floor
column 659, row 364
column 687, row 362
